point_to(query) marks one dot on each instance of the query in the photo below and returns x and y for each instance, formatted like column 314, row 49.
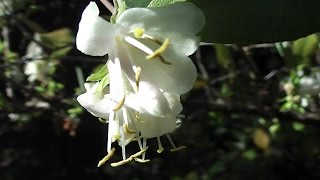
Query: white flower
column 157, row 40
column 149, row 69
column 131, row 114
column 310, row 84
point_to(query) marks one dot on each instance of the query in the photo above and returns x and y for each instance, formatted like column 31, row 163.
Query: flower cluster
column 148, row 67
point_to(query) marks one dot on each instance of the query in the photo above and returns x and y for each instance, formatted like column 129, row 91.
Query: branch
column 264, row 111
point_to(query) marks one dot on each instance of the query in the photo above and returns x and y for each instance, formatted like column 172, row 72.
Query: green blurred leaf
column 60, row 52
column 159, row 3
column 252, row 21
column 224, row 57
column 137, row 3
column 58, row 38
column 305, row 47
column 98, row 75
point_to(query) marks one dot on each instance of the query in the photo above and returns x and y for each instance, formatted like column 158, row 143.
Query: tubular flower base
column 148, row 67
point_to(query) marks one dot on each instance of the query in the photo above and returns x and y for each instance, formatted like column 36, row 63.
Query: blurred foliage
column 252, row 21
column 253, row 112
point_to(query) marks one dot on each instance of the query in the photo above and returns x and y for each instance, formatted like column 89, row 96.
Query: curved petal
column 148, row 100
column 180, row 22
column 174, row 103
column 177, row 78
column 154, row 126
column 97, row 106
column 95, row 35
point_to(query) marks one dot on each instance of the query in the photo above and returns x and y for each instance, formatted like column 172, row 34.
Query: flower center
column 139, row 33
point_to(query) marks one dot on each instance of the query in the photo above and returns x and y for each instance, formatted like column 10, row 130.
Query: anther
column 137, row 76
column 120, row 103
column 138, row 32
column 160, row 50
column 127, row 129
column 178, row 148
column 105, row 121
column 132, row 157
column 116, row 137
column 142, row 160
column 160, row 148
column 106, row 158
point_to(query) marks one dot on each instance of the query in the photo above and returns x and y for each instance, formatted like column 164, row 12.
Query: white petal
column 148, row 100
column 174, row 103
column 179, row 22
column 177, row 78
column 154, row 126
column 95, row 35
column 96, row 105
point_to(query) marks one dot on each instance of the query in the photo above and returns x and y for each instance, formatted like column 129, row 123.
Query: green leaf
column 137, row 3
column 305, row 47
column 58, row 38
column 103, row 83
column 160, row 3
column 252, row 21
column 224, row 56
column 98, row 75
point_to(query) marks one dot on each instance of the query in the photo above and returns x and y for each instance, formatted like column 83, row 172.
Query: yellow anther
column 106, row 158
column 139, row 153
column 160, row 50
column 138, row 116
column 120, row 103
column 178, row 148
column 127, row 130
column 137, row 76
column 132, row 157
column 160, row 150
column 116, row 164
column 116, row 137
column 138, row 32
column 103, row 120
column 142, row 160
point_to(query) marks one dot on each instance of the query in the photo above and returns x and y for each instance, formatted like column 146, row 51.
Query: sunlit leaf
column 98, row 75
column 159, row 3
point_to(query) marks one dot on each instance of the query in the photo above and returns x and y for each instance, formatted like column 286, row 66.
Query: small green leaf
column 160, row 3
column 305, row 47
column 224, row 56
column 103, row 83
column 57, row 38
column 98, row 75
column 137, row 3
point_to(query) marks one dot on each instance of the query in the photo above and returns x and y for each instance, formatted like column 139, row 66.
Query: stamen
column 116, row 137
column 147, row 50
column 138, row 44
column 138, row 116
column 160, row 145
column 138, row 32
column 160, row 50
column 146, row 36
column 120, row 104
column 137, row 76
column 178, row 148
column 111, row 118
column 174, row 149
column 144, row 144
column 106, row 158
column 103, row 120
column 170, row 141
column 130, row 158
column 127, row 129
column 123, row 144
column 141, row 160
